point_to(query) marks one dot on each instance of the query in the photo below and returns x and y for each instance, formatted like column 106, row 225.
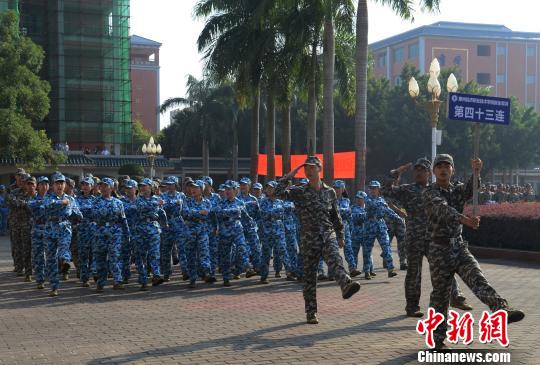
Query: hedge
column 511, row 226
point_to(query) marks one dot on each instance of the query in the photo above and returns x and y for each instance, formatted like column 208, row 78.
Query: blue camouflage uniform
column 174, row 234
column 127, row 252
column 58, row 230
column 290, row 222
column 250, row 225
column 344, row 206
column 375, row 227
column 196, row 235
column 212, row 226
column 112, row 226
column 272, row 214
column 86, row 230
column 231, row 234
column 358, row 214
column 148, row 230
column 39, row 220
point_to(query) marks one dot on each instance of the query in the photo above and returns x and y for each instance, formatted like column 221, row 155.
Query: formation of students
column 103, row 226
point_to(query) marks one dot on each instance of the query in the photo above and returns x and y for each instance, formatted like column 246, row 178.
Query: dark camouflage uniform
column 20, row 227
column 409, row 196
column 321, row 229
column 449, row 254
column 397, row 229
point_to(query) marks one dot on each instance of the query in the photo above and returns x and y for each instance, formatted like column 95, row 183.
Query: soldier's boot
column 278, row 275
column 99, row 289
column 85, row 284
column 441, row 346
column 514, row 315
column 40, row 286
column 95, row 277
column 290, row 277
column 372, row 274
column 384, row 264
column 209, row 279
column 391, row 273
column 461, row 304
column 64, row 276
column 192, row 284
column 65, row 267
column 350, row 289
column 226, row 283
column 157, row 280
column 367, row 276
column 143, row 287
column 264, row 281
column 175, row 260
column 415, row 314
column 354, row 273
column 53, row 293
column 236, row 277
column 166, row 278
column 125, row 281
column 312, row 318
column 118, row 286
column 185, row 276
column 28, row 278
column 250, row 273
column 403, row 266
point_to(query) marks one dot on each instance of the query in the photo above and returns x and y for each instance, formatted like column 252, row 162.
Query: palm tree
column 403, row 8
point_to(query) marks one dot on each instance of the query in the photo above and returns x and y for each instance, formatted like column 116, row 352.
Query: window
column 531, row 79
column 152, row 57
column 501, row 50
column 483, row 50
column 381, row 60
column 413, row 50
column 442, row 60
column 531, row 51
column 398, row 55
column 457, row 60
column 501, row 79
column 483, row 78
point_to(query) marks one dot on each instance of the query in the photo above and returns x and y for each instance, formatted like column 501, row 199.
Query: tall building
column 144, row 63
column 493, row 55
column 86, row 47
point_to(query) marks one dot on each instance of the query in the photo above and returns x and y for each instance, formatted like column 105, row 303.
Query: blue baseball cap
column 40, row 180
column 58, row 177
column 257, row 186
column 221, row 187
column 88, row 180
column 374, row 184
column 304, row 181
column 361, row 195
column 339, row 184
column 245, row 180
column 272, row 184
column 130, row 184
column 197, row 183
column 171, row 180
column 107, row 181
column 229, row 184
column 146, row 181
column 207, row 180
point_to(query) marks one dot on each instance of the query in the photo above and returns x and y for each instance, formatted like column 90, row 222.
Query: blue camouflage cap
column 58, row 177
column 107, row 181
column 374, row 184
column 236, row 184
column 221, row 187
column 272, row 184
column 257, row 186
column 304, row 181
column 88, row 180
column 229, row 184
column 197, row 183
column 245, row 180
column 171, row 180
column 146, row 181
column 339, row 184
column 130, row 184
column 2, row 187
column 42, row 179
column 207, row 180
column 361, row 195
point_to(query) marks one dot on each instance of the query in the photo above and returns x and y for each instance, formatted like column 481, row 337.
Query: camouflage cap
column 257, row 186
column 130, row 184
column 443, row 158
column 272, row 184
column 339, row 184
column 374, row 184
column 207, row 180
column 70, row 182
column 30, row 180
column 171, row 180
column 198, row 183
column 423, row 162
column 245, row 180
column 58, row 177
column 87, row 180
column 146, row 181
column 313, row 160
column 221, row 187
column 361, row 195
column 107, row 181
column 20, row 171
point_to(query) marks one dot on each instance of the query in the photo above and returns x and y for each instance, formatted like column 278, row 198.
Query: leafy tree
column 134, row 170
column 23, row 98
column 140, row 134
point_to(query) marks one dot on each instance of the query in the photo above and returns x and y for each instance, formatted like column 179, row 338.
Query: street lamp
column 433, row 105
column 151, row 151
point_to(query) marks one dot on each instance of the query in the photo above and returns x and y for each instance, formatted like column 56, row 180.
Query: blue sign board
column 478, row 108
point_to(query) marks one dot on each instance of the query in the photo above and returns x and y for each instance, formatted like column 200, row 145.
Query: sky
column 171, row 23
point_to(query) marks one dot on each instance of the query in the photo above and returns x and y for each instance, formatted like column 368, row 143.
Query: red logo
column 429, row 325
column 494, row 327
column 460, row 328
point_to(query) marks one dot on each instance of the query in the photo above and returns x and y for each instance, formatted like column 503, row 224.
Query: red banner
column 343, row 164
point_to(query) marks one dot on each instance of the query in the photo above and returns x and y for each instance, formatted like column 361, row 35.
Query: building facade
column 144, row 71
column 492, row 55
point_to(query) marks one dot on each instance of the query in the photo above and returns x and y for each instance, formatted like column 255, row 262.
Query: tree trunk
column 286, row 139
column 360, row 119
column 270, row 138
column 311, row 146
column 205, row 156
column 254, row 136
column 328, row 100
column 235, row 149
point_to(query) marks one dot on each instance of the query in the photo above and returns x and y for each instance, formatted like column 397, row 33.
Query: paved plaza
column 245, row 324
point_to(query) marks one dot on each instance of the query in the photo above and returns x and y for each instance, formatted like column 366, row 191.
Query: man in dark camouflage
column 322, row 231
column 17, row 192
column 409, row 196
column 448, row 254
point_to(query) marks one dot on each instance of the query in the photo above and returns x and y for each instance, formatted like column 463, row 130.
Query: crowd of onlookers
column 505, row 193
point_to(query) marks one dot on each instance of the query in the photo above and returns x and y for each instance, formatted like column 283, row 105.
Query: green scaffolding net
column 87, row 63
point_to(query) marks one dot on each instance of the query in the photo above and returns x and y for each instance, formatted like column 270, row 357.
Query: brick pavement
column 244, row 324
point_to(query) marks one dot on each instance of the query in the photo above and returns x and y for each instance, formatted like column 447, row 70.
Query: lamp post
column 433, row 105
column 151, row 151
